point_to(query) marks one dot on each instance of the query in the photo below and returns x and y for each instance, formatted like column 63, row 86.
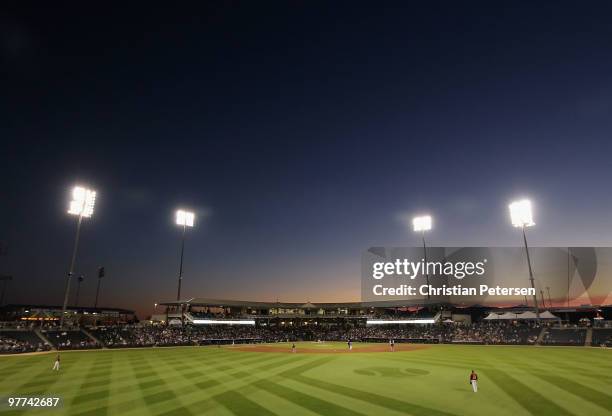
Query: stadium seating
column 565, row 336
column 70, row 340
column 125, row 336
column 161, row 335
column 122, row 337
column 602, row 337
column 20, row 341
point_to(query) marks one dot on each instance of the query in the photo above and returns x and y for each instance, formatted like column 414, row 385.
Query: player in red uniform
column 474, row 381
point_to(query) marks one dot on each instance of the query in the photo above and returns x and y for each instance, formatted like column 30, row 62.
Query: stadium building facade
column 206, row 311
column 218, row 311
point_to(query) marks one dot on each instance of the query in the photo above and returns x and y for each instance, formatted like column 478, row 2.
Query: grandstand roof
column 19, row 306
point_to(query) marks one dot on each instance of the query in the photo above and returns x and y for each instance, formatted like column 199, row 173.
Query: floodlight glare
column 83, row 201
column 520, row 213
column 184, row 218
column 421, row 223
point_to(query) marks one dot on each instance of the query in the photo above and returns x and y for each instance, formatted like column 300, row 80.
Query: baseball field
column 319, row 379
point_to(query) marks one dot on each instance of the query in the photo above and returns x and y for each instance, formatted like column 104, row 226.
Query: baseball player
column 56, row 365
column 474, row 381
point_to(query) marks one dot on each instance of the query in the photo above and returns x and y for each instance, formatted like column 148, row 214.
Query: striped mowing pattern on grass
column 187, row 381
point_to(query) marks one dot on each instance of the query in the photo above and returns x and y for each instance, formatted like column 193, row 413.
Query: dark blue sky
column 300, row 132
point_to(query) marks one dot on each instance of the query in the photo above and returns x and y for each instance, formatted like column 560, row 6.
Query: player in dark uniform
column 350, row 345
column 293, row 347
column 392, row 345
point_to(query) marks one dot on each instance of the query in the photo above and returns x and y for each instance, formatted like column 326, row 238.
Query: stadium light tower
column 422, row 224
column 184, row 219
column 79, row 281
column 100, row 276
column 82, row 205
column 521, row 217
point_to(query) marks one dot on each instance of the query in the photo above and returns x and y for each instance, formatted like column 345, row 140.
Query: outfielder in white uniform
column 56, row 365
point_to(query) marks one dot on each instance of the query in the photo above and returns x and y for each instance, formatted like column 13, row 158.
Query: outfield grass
column 221, row 381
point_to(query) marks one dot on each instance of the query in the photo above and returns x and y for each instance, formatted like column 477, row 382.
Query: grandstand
column 210, row 322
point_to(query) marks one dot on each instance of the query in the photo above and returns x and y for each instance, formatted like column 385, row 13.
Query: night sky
column 301, row 133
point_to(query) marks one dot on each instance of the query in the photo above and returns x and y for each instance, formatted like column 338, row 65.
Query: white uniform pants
column 474, row 385
column 56, row 366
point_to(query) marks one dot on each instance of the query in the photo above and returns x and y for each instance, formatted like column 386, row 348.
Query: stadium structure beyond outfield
column 202, row 311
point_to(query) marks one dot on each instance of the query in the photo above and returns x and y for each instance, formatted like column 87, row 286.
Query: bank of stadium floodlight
column 420, row 225
column 400, row 321
column 521, row 216
column 82, row 206
column 184, row 219
column 224, row 322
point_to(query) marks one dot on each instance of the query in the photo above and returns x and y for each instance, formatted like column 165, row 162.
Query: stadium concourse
column 211, row 322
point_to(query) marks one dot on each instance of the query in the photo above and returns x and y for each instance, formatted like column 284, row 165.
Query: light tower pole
column 79, row 281
column 184, row 219
column 100, row 276
column 422, row 224
column 82, row 205
column 522, row 217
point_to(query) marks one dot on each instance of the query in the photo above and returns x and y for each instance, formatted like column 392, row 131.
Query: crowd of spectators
column 70, row 340
column 161, row 335
column 477, row 333
column 492, row 333
column 21, row 341
column 125, row 336
column 13, row 346
column 421, row 333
